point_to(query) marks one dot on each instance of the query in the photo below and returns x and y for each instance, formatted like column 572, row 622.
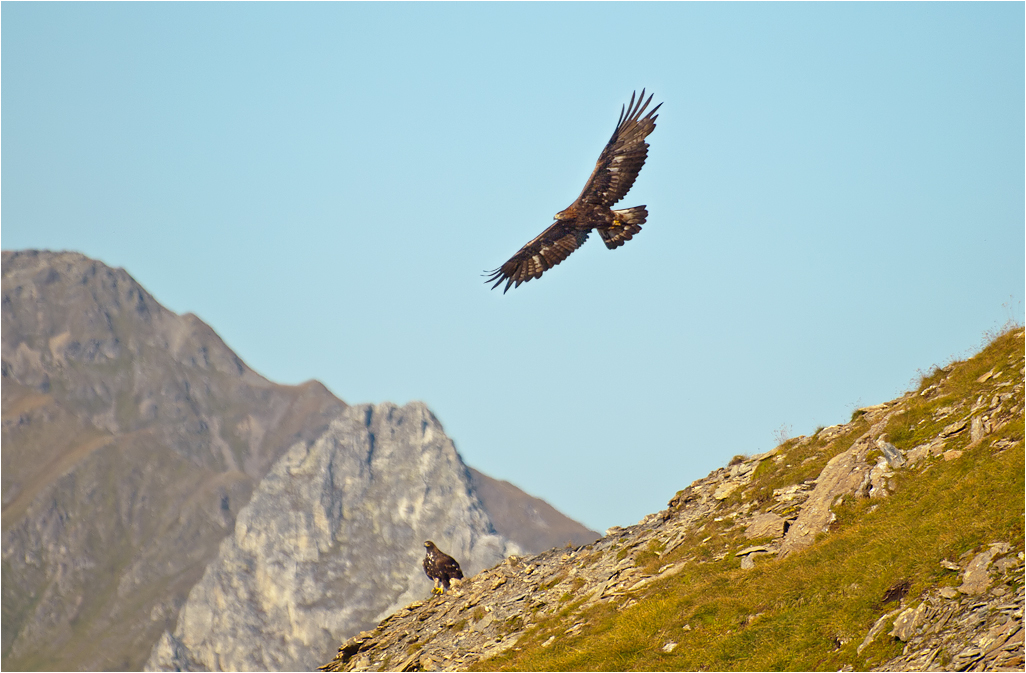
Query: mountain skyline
column 135, row 441
column 835, row 198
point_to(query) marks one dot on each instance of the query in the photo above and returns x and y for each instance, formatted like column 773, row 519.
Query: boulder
column 977, row 576
column 766, row 525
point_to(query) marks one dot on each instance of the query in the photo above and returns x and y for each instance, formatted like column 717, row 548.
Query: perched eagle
column 617, row 168
column 440, row 567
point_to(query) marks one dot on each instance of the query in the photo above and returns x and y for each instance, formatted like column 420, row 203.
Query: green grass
column 811, row 610
column 797, row 463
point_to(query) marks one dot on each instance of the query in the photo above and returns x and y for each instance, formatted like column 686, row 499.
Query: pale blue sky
column 835, row 196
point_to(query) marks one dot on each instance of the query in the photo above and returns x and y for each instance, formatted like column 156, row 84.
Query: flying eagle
column 440, row 567
column 615, row 171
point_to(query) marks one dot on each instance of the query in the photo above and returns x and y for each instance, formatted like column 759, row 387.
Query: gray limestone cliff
column 330, row 542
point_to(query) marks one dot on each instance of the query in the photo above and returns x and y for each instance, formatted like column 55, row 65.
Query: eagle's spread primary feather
column 440, row 567
column 615, row 171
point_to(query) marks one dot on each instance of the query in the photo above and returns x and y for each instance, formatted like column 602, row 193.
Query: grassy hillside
column 812, row 609
column 894, row 540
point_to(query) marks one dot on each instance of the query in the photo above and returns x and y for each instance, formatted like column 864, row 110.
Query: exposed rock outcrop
column 330, row 541
column 978, row 627
column 844, row 474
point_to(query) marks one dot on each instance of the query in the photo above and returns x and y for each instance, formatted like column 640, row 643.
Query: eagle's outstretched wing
column 623, row 156
column 547, row 250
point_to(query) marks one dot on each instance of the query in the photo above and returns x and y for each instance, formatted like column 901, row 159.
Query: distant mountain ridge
column 133, row 440
column 531, row 522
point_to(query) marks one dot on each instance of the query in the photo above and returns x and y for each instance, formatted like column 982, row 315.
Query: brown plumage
column 615, row 171
column 440, row 567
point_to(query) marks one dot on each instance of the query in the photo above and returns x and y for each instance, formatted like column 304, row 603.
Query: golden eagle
column 615, row 171
column 440, row 567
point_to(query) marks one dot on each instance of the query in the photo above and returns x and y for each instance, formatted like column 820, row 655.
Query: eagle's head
column 566, row 214
column 429, row 544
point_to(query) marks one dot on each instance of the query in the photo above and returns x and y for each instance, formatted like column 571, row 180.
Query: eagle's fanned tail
column 627, row 223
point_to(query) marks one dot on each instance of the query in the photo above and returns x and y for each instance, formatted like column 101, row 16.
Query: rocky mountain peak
column 151, row 478
column 92, row 338
column 132, row 437
column 331, row 540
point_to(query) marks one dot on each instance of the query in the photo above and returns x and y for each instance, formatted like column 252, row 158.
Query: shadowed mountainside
column 530, row 522
column 133, row 440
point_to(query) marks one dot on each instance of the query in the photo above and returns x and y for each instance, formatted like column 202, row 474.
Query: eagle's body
column 440, row 567
column 615, row 171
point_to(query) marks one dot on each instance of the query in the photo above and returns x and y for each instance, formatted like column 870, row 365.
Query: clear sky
column 835, row 197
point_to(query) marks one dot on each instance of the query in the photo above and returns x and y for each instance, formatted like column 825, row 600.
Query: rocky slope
column 764, row 515
column 134, row 440
column 331, row 539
